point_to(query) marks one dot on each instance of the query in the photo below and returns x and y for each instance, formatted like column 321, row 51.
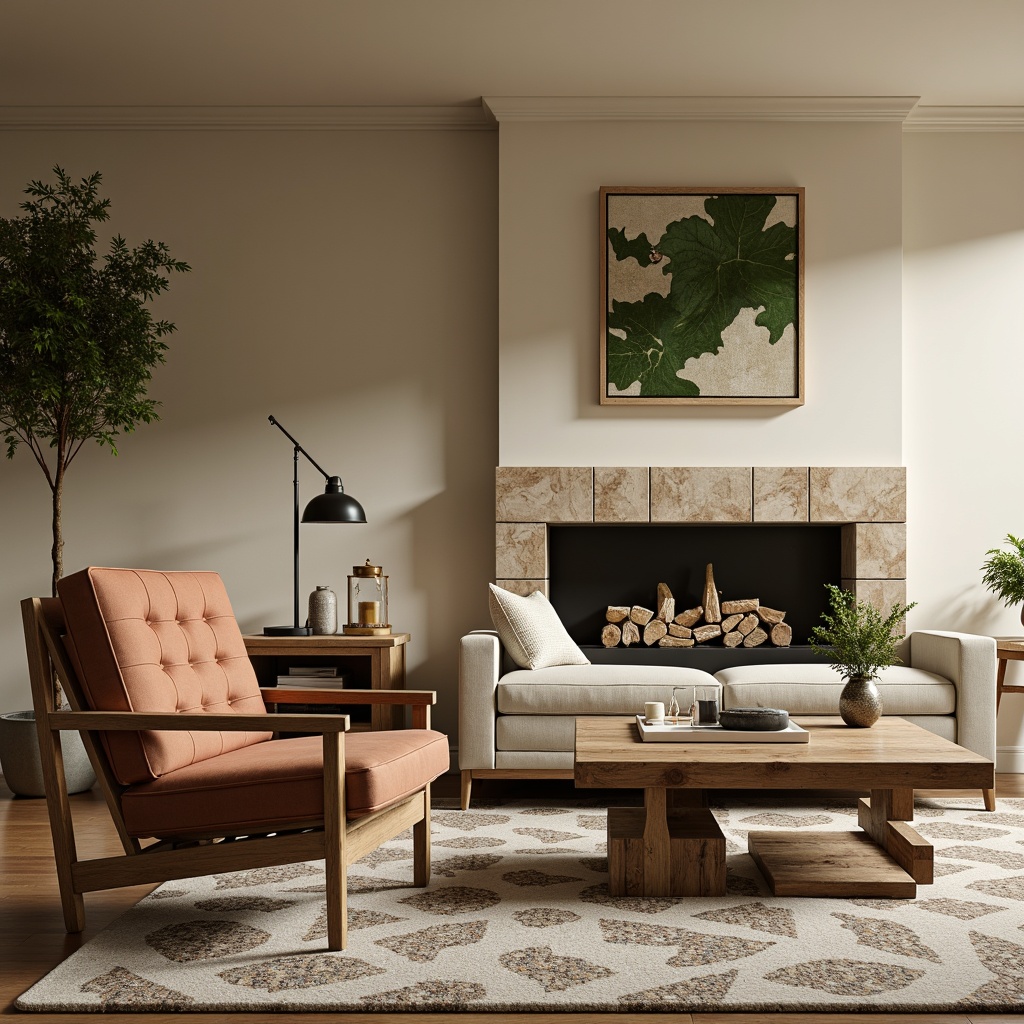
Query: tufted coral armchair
column 157, row 676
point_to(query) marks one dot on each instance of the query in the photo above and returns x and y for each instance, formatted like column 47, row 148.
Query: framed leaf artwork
column 702, row 296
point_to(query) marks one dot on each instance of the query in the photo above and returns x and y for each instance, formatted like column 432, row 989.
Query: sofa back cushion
column 159, row 642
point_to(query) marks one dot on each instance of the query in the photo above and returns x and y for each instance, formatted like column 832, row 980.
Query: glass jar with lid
column 367, row 602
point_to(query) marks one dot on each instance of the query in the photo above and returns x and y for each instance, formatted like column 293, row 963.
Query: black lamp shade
column 334, row 506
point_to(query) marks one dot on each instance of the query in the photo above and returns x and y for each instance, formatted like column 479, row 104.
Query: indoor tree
column 77, row 342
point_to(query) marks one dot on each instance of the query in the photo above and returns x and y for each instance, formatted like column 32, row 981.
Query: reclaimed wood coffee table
column 672, row 846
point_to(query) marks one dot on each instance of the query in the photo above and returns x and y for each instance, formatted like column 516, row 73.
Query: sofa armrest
column 479, row 671
column 969, row 662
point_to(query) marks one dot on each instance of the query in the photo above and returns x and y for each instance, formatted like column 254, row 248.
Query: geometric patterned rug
column 517, row 917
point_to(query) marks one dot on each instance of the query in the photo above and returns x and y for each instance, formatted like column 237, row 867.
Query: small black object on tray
column 754, row 719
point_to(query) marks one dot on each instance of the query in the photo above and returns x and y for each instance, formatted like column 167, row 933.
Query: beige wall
column 343, row 281
column 963, row 360
column 548, row 314
column 346, row 283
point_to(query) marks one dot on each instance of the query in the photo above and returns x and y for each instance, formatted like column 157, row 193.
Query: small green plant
column 855, row 637
column 1004, row 571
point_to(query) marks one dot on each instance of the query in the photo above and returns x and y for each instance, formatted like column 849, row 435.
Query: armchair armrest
column 969, row 662
column 134, row 721
column 479, row 672
column 421, row 700
column 323, row 695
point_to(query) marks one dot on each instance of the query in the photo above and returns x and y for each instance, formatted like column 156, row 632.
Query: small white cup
column 654, row 711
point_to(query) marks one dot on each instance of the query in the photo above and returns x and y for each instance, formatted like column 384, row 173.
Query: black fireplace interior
column 785, row 566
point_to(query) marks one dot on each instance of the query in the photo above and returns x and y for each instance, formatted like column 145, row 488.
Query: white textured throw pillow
column 531, row 630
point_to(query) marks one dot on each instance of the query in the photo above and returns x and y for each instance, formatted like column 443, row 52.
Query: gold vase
column 860, row 703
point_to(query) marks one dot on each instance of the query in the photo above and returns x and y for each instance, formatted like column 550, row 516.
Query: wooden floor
column 33, row 940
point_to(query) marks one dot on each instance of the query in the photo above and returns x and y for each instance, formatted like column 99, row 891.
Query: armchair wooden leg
column 467, row 786
column 51, row 759
column 421, row 845
column 990, row 799
column 334, row 840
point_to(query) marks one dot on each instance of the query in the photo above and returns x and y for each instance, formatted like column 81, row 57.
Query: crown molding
column 244, row 118
column 699, row 108
column 965, row 119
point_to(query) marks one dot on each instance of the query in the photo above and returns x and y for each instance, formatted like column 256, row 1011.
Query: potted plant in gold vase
column 858, row 643
column 1004, row 573
column 77, row 349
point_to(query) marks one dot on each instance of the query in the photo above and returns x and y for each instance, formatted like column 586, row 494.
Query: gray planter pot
column 19, row 756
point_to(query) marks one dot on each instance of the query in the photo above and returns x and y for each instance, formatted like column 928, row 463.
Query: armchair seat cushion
column 595, row 689
column 257, row 787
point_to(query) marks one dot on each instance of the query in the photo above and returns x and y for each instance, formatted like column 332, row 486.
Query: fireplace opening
column 784, row 566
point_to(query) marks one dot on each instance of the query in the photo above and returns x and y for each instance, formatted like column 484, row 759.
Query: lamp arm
column 299, row 448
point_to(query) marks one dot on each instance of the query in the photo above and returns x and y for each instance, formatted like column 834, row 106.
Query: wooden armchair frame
column 337, row 841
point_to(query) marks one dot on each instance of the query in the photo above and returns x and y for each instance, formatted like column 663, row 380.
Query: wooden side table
column 1008, row 648
column 370, row 662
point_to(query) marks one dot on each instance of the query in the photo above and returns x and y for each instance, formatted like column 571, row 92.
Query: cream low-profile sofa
column 520, row 724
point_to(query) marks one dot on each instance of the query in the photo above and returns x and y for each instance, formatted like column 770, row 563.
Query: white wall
column 343, row 281
column 963, row 366
column 548, row 295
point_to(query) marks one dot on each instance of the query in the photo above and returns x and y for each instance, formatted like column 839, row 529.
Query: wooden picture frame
column 702, row 296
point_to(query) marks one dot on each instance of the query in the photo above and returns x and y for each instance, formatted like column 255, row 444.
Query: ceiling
column 440, row 52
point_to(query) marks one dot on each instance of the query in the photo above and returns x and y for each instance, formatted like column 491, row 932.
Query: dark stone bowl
column 754, row 719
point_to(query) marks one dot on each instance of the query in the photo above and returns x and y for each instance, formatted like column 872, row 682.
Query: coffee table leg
column 888, row 859
column 884, row 818
column 654, row 851
column 657, row 845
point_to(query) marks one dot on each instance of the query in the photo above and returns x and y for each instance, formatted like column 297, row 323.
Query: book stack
column 305, row 677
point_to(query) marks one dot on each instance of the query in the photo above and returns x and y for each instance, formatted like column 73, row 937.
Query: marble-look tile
column 858, row 494
column 544, row 494
column 875, row 551
column 622, row 494
column 521, row 550
column 524, row 588
column 700, row 494
column 881, row 595
column 780, row 494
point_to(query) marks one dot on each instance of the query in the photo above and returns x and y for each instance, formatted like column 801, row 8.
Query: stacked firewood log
column 745, row 622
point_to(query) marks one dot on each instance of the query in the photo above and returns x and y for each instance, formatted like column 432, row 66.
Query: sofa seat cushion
column 254, row 788
column 815, row 689
column 595, row 689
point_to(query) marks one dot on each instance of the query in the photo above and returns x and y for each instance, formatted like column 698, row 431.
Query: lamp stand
column 295, row 629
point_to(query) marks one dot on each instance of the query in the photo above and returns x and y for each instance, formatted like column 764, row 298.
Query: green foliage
column 1004, row 571
column 717, row 269
column 639, row 248
column 77, row 343
column 855, row 637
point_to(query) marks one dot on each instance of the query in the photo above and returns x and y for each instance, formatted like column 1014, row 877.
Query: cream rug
column 518, row 917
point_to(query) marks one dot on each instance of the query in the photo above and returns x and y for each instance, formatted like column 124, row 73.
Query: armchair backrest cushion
column 159, row 642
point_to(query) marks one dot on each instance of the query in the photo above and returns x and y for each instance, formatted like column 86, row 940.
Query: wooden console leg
column 989, row 796
column 467, row 787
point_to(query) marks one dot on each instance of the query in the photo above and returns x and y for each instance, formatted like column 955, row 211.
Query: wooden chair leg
column 51, row 759
column 990, row 799
column 467, row 787
column 421, row 845
column 334, row 840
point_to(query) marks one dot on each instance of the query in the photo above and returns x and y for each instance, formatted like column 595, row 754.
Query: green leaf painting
column 735, row 258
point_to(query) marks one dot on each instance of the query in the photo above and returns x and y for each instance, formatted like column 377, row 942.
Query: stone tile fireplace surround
column 868, row 502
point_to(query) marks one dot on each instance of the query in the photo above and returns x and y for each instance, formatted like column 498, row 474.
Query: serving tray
column 684, row 732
